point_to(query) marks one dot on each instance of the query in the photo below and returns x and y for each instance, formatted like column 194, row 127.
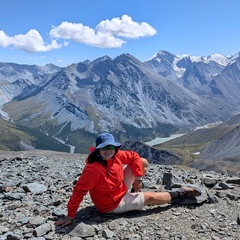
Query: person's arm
column 133, row 159
column 86, row 181
column 137, row 184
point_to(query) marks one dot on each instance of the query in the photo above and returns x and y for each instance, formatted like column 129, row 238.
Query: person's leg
column 137, row 201
column 129, row 176
column 158, row 198
column 130, row 202
column 145, row 165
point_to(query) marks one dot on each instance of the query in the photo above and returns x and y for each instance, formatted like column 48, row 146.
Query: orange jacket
column 104, row 183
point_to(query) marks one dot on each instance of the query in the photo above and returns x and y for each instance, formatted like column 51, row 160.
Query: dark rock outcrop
column 153, row 155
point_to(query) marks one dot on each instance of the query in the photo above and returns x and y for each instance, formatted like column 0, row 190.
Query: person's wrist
column 68, row 218
column 140, row 178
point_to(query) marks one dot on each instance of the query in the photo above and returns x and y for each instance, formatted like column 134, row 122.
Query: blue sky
column 65, row 32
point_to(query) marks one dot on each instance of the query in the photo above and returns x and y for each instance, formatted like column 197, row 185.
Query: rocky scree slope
column 35, row 187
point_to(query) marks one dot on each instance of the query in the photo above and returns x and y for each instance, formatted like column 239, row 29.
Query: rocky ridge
column 36, row 185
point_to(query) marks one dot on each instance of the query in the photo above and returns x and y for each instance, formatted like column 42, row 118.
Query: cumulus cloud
column 30, row 42
column 86, row 35
column 126, row 27
column 107, row 34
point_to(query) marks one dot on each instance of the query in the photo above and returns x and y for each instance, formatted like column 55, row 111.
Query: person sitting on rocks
column 113, row 177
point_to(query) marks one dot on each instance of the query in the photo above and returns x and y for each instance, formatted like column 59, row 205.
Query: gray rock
column 224, row 185
column 10, row 236
column 35, row 188
column 209, row 181
column 235, row 180
column 37, row 220
column 83, row 230
column 14, row 196
column 233, row 195
column 42, row 230
column 108, row 233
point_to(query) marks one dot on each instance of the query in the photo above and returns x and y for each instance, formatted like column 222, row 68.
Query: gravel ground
column 36, row 185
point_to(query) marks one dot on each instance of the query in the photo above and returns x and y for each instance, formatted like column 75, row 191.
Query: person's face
column 107, row 152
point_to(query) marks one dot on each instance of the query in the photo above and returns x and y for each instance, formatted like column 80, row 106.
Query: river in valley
column 165, row 139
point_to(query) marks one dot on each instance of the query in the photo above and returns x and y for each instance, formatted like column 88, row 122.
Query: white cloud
column 108, row 34
column 126, row 27
column 30, row 42
column 84, row 34
column 4, row 39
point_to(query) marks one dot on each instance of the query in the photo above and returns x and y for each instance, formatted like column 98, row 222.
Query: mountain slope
column 227, row 84
column 16, row 138
column 214, row 148
column 226, row 147
column 132, row 99
column 122, row 92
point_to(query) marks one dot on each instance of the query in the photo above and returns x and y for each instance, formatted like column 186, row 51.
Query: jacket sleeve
column 86, row 181
column 133, row 159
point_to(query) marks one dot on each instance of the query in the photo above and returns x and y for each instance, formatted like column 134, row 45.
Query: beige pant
column 130, row 201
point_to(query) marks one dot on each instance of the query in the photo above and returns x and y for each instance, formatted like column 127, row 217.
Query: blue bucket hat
column 105, row 139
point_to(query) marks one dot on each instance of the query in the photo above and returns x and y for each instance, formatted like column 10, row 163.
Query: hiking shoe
column 189, row 192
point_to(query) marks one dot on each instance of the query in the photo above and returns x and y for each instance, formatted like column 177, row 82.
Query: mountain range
column 132, row 99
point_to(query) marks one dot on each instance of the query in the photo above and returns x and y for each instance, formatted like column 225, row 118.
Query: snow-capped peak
column 219, row 58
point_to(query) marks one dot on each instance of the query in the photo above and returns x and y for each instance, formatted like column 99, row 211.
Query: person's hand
column 137, row 185
column 63, row 223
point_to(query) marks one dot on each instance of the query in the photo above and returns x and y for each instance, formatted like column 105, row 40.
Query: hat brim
column 115, row 144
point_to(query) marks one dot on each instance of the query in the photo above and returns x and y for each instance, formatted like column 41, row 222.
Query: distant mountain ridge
column 132, row 99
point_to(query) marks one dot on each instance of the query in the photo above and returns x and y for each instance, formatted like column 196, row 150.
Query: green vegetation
column 81, row 139
column 42, row 141
column 21, row 110
column 92, row 115
column 10, row 136
column 16, row 138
